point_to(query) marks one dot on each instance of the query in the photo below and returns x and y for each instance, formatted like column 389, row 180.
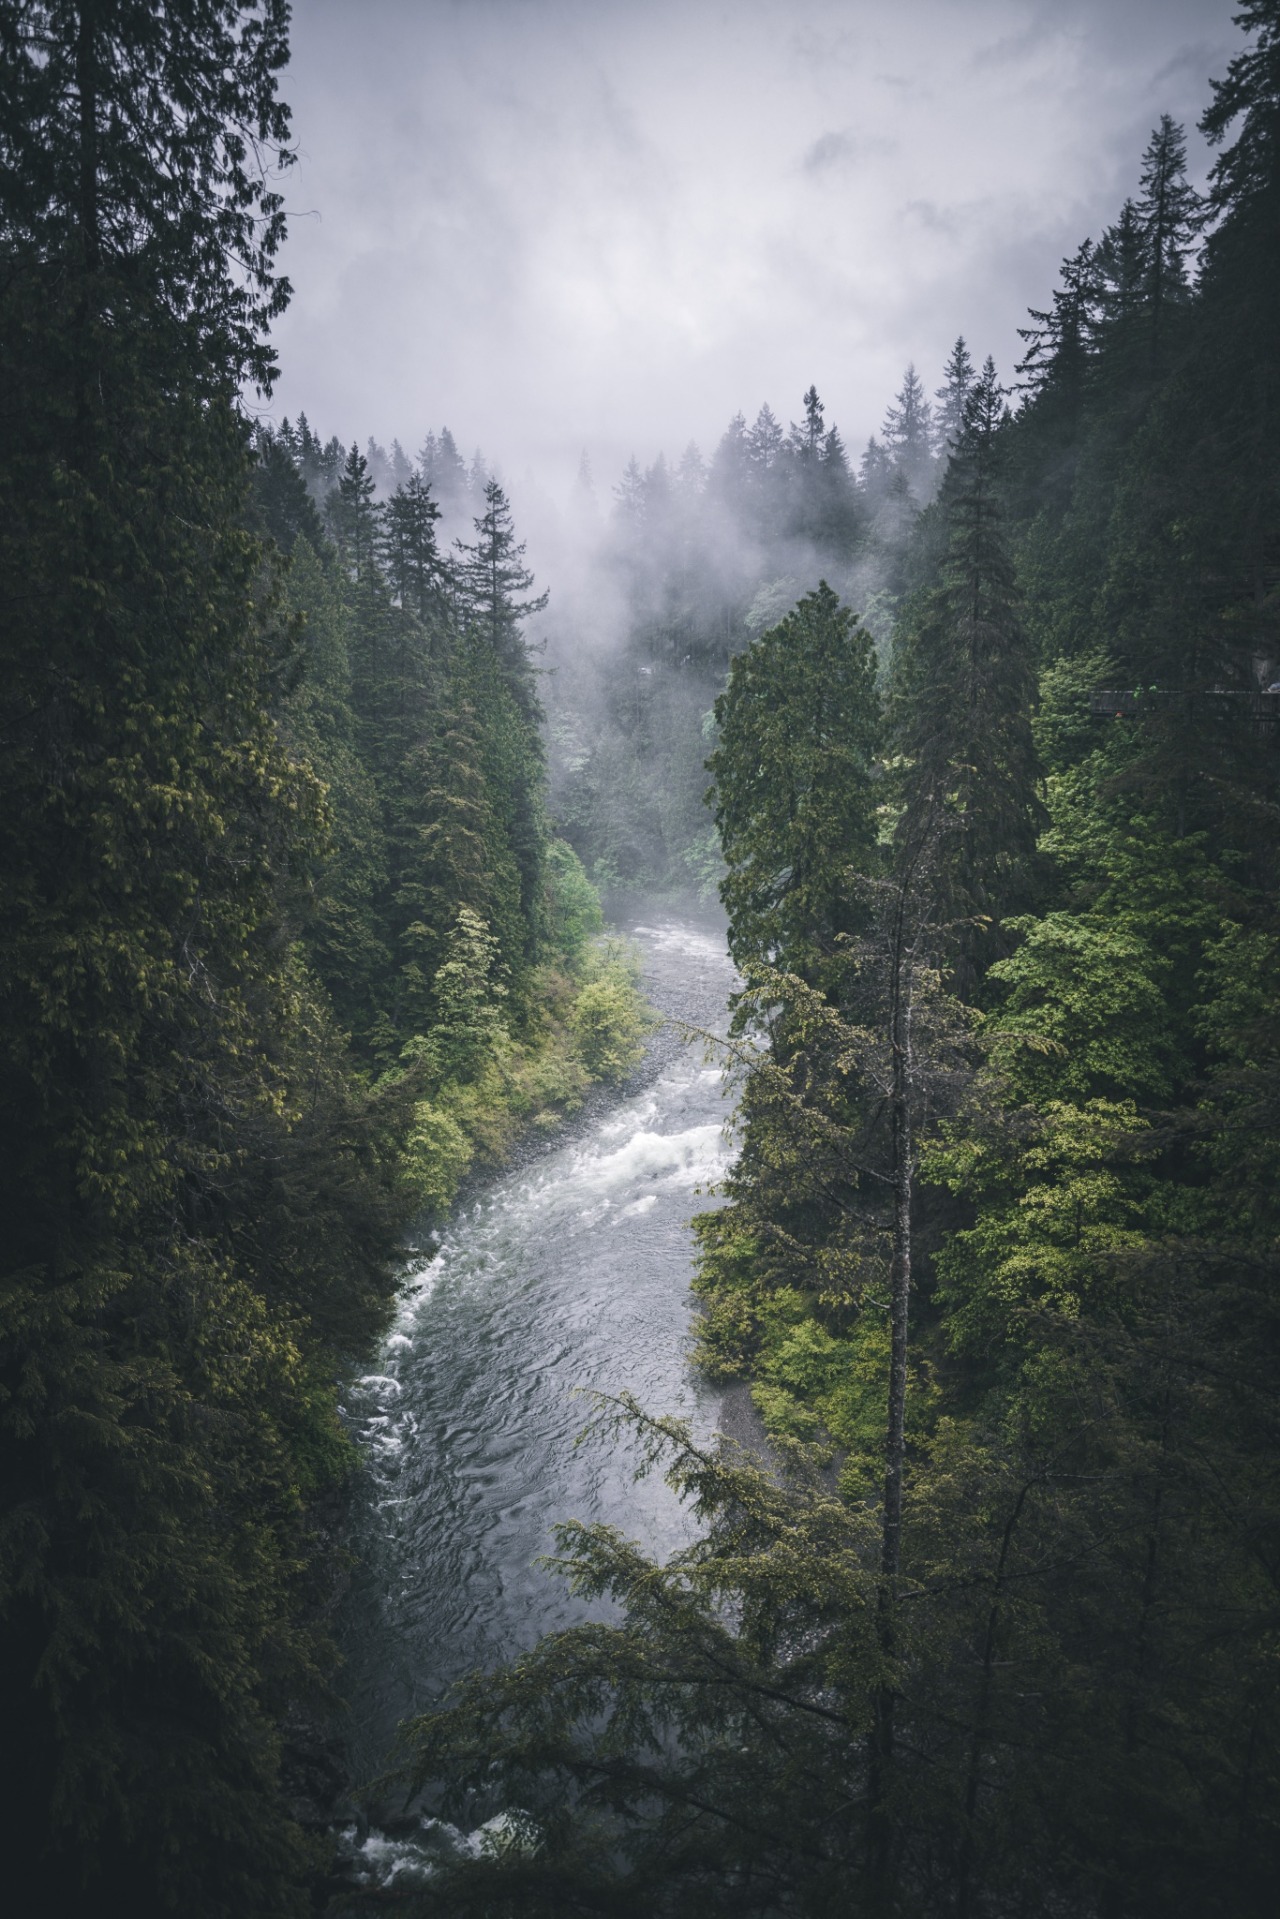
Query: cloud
column 843, row 149
column 559, row 223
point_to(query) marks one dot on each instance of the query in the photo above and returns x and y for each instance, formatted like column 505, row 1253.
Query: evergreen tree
column 354, row 518
column 165, row 1396
column 948, row 420
column 346, row 931
column 908, row 434
column 765, row 442
column 793, row 790
column 805, row 441
column 1241, row 277
column 1121, row 263
column 450, row 852
column 965, row 691
column 286, row 510
column 495, row 595
column 1056, row 369
column 415, row 568
column 445, row 471
column 691, row 476
column 1169, row 217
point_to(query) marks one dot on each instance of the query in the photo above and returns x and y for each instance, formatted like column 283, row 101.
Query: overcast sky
column 608, row 224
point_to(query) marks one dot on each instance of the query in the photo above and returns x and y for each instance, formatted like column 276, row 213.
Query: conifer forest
column 329, row 808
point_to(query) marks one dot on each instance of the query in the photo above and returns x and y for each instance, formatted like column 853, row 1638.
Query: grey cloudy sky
column 558, row 224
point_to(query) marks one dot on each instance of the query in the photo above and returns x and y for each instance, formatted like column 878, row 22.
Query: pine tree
column 908, row 436
column 416, row 570
column 957, row 381
column 1169, row 217
column 1123, row 277
column 792, row 785
column 1059, row 350
column 1241, row 284
column 495, row 598
column 964, row 695
column 163, row 1396
column 286, row 509
column 629, row 498
column 806, row 441
column 690, row 476
column 444, row 470
column 494, row 588
column 354, row 517
column 729, row 481
column 765, row 442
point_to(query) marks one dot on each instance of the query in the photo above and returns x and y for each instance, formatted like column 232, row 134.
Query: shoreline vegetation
column 483, row 1090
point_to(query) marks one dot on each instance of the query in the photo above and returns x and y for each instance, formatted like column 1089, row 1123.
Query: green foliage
column 1052, row 1688
column 484, row 1085
column 289, row 949
column 699, row 1755
column 229, row 838
column 468, row 995
column 963, row 694
column 573, row 905
column 437, row 1157
column 609, row 1019
column 793, row 789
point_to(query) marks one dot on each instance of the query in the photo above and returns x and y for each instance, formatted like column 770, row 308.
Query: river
column 567, row 1274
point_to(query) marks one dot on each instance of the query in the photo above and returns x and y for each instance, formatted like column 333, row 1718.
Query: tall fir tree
column 948, row 415
column 165, row 1401
column 965, row 690
column 1169, row 217
column 908, row 436
column 793, row 786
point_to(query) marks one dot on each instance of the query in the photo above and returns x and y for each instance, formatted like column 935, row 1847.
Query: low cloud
column 553, row 224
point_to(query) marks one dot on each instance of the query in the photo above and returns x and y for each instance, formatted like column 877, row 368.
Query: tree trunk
column 87, row 88
column 882, row 1733
column 977, row 1745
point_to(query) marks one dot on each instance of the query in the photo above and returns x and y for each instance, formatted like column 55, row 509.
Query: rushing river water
column 569, row 1273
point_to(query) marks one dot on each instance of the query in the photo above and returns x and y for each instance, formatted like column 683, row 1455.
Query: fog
column 558, row 225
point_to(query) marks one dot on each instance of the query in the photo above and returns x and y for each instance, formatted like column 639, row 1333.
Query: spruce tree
column 1169, row 217
column 1055, row 370
column 793, row 786
column 908, row 434
column 495, row 596
column 1124, row 276
column 354, row 518
column 172, row 1201
column 416, row 570
column 948, row 417
column 965, row 685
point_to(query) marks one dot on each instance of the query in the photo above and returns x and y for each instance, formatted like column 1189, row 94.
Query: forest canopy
column 976, row 739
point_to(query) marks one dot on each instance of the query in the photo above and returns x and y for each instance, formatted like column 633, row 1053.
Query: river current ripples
column 566, row 1276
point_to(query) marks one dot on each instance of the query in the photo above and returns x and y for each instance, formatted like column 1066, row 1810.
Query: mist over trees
column 990, row 1631
column 305, row 806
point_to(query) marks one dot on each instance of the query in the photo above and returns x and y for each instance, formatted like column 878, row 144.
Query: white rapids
column 569, row 1275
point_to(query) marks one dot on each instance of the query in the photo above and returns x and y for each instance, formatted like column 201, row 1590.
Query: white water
column 568, row 1276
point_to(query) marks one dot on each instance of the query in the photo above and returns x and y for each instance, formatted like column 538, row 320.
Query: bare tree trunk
column 882, row 1734
column 899, row 1304
column 87, row 88
column 977, row 1745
